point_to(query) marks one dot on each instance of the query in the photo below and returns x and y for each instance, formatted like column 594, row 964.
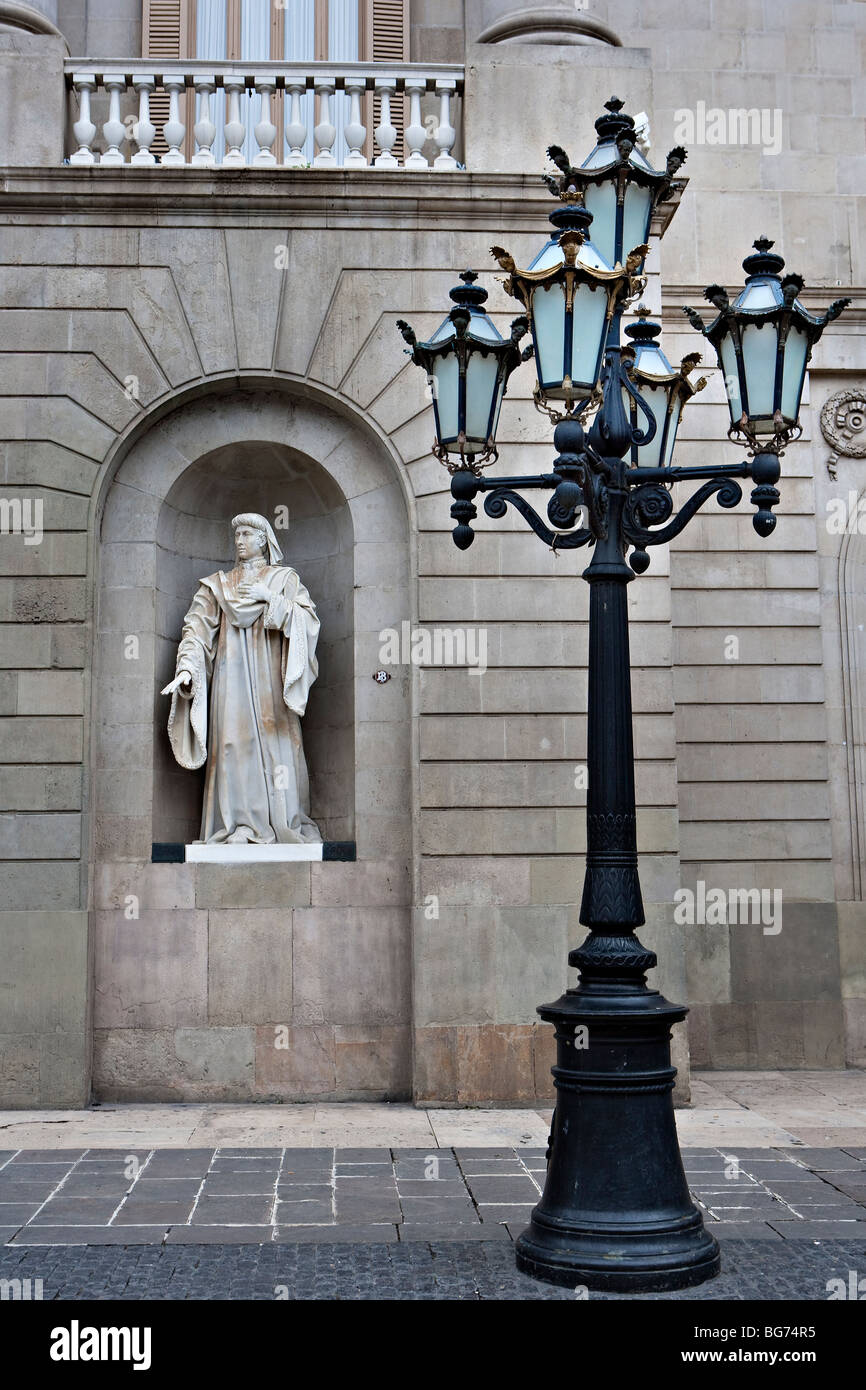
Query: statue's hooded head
column 270, row 544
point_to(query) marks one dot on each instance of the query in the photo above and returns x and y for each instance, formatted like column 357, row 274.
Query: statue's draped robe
column 252, row 665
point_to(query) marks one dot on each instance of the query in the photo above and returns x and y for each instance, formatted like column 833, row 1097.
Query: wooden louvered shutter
column 387, row 41
column 165, row 34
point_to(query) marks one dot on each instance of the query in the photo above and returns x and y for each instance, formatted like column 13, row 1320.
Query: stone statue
column 245, row 664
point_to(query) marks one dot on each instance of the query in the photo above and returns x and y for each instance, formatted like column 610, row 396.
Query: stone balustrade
column 325, row 130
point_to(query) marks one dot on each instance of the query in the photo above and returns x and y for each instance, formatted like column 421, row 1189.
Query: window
column 279, row 30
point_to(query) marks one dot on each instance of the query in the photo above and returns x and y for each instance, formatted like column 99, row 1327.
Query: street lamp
column 468, row 364
column 616, row 1212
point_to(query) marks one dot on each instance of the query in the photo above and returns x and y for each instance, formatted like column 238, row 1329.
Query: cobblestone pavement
column 418, row 1271
column 57, row 1197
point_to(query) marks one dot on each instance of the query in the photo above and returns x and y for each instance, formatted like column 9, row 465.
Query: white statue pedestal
column 250, row 854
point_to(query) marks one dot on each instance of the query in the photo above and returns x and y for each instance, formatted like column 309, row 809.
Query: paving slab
column 431, row 1187
column 75, row 1211
column 89, row 1235
column 441, row 1231
column 232, row 1211
column 828, row 1160
column 821, row 1230
column 67, row 1156
column 433, row 1210
column 377, row 1207
column 303, row 1213
column 491, row 1212
column 304, row 1191
column 16, row 1213
column 27, row 1191
column 509, row 1190
column 163, row 1190
column 375, row 1234
column 219, row 1235
column 222, row 1184
column 152, row 1213
column 742, row 1230
column 22, row 1171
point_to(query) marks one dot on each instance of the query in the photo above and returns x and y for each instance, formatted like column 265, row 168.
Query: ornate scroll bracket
column 651, row 504
column 496, row 505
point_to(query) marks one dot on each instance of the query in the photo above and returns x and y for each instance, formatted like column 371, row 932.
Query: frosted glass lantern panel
column 600, row 200
column 758, row 296
column 445, row 330
column 446, row 378
column 673, row 425
column 636, row 216
column 590, row 318
column 796, row 349
column 759, row 366
column 656, row 397
column 732, row 379
column 500, row 393
column 480, row 392
column 548, row 327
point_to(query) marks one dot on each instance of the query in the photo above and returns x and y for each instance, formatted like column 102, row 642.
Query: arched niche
column 165, row 525
column 314, row 526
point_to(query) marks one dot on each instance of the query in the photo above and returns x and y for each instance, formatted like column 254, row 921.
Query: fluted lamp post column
column 616, row 1211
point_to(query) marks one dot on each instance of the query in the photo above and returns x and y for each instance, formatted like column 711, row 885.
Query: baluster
column 445, row 134
column 113, row 129
column 326, row 131
column 144, row 131
column 296, row 127
column 355, row 132
column 416, row 134
column 84, row 130
column 174, row 130
column 204, row 129
column 236, row 131
column 265, row 132
column 386, row 131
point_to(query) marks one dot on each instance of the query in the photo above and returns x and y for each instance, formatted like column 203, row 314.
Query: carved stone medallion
column 843, row 425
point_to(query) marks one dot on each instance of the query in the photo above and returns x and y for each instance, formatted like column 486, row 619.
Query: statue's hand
column 181, row 682
column 255, row 591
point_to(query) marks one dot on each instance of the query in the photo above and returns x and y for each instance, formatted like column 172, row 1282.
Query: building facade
column 202, row 321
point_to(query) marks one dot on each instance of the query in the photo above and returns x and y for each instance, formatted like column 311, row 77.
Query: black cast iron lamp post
column 616, row 1211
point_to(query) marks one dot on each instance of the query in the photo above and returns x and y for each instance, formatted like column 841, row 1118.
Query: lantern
column 763, row 342
column 570, row 294
column 618, row 184
column 662, row 389
column 468, row 364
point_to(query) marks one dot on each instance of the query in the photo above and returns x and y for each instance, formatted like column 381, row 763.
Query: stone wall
column 163, row 328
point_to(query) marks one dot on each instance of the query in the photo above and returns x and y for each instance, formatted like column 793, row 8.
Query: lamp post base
column 569, row 1260
column 616, row 1213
